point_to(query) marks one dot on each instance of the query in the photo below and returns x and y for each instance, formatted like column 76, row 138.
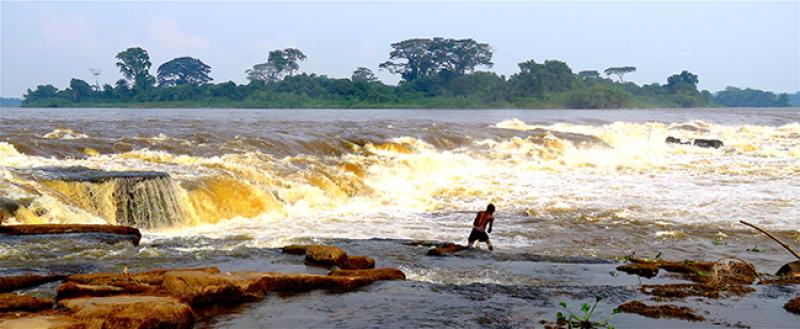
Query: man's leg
column 470, row 243
column 489, row 243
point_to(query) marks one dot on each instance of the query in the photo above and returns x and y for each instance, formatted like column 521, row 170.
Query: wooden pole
column 784, row 245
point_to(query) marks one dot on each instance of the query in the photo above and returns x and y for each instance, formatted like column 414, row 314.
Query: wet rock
column 326, row 255
column 791, row 269
column 358, row 263
column 9, row 207
column 708, row 143
column 695, row 290
column 296, row 249
column 793, row 305
column 21, row 303
column 76, row 290
column 646, row 270
column 42, row 321
column 673, row 140
column 148, row 278
column 198, row 287
column 286, row 282
column 660, row 311
column 142, row 312
column 130, row 233
column 373, row 274
column 12, row 283
column 446, row 249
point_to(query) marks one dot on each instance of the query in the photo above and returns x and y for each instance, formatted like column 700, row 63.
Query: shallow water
column 566, row 183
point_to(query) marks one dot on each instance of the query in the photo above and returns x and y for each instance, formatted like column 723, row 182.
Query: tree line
column 435, row 72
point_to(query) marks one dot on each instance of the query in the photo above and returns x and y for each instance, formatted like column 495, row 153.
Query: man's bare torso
column 481, row 220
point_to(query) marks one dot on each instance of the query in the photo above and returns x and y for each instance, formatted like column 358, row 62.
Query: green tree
column 363, row 74
column 686, row 81
column 280, row 62
column 421, row 57
column 41, row 92
column 620, row 71
column 134, row 63
column 589, row 75
column 80, row 89
column 183, row 70
column 537, row 79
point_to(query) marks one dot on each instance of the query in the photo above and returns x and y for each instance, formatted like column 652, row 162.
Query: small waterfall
column 143, row 199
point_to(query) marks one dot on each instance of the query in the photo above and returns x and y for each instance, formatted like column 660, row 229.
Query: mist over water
column 565, row 182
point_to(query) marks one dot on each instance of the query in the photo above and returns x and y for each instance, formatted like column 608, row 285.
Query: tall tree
column 620, row 71
column 421, row 57
column 80, row 89
column 183, row 70
column 280, row 62
column 686, row 81
column 134, row 63
column 363, row 74
column 589, row 75
column 536, row 79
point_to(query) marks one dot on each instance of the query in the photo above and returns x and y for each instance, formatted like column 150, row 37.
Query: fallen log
column 39, row 229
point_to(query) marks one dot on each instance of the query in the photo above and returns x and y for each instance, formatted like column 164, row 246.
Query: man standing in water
column 479, row 227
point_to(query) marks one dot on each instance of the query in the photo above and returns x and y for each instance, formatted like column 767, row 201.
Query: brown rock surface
column 373, row 274
column 793, row 305
column 790, row 269
column 21, row 303
column 198, row 287
column 446, row 249
column 286, row 282
column 75, row 290
column 296, row 249
column 358, row 263
column 646, row 270
column 148, row 278
column 326, row 255
column 11, row 283
column 659, row 311
column 132, row 232
column 42, row 321
column 123, row 312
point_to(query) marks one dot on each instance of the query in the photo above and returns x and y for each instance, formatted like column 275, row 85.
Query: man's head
column 490, row 208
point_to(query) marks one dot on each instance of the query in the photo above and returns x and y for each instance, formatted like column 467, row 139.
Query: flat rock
column 131, row 233
column 198, row 287
column 372, row 274
column 326, row 255
column 358, row 263
column 141, row 312
column 291, row 282
column 42, row 321
column 446, row 249
column 660, row 311
column 75, row 290
column 21, row 303
column 296, row 249
column 149, row 278
column 12, row 283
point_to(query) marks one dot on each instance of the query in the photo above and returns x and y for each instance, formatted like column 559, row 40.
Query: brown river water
column 233, row 185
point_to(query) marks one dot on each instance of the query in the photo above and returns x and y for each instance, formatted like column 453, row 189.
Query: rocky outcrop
column 446, row 249
column 373, row 274
column 130, row 233
column 142, row 312
column 330, row 256
column 41, row 321
column 20, row 303
column 12, row 283
column 790, row 269
column 793, row 305
column 660, row 311
column 717, row 273
column 705, row 143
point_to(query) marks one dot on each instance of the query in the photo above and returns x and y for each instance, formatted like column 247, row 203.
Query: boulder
column 326, row 255
column 148, row 278
column 12, row 283
column 358, row 263
column 129, row 233
column 42, row 321
column 793, row 305
column 708, row 143
column 790, row 269
column 198, row 287
column 289, row 282
column 296, row 249
column 373, row 274
column 446, row 249
column 646, row 270
column 21, row 303
column 122, row 312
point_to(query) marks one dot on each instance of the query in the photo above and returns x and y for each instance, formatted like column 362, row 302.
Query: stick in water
column 773, row 238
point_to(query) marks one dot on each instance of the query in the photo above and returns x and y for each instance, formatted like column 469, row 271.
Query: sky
column 743, row 44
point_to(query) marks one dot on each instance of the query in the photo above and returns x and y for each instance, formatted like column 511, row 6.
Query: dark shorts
column 478, row 235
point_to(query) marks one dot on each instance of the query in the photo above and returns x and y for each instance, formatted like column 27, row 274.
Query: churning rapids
column 219, row 186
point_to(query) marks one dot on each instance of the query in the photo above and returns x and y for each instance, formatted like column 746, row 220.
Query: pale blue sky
column 746, row 44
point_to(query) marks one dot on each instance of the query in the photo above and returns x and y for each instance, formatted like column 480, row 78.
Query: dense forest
column 435, row 72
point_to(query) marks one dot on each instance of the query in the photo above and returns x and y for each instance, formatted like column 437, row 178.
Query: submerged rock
column 793, row 305
column 659, row 311
column 12, row 283
column 142, row 312
column 130, row 233
column 21, row 303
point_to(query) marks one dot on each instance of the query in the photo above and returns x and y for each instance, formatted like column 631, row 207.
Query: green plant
column 584, row 320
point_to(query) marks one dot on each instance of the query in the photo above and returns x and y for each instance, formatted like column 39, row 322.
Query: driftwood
column 783, row 244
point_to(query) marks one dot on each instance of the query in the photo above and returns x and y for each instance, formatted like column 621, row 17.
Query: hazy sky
column 746, row 44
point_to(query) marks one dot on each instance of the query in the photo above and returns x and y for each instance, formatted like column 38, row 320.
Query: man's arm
column 491, row 221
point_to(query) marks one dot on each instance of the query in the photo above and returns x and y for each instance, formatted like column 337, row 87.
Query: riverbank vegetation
column 436, row 73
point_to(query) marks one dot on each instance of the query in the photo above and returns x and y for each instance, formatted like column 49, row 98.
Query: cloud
column 166, row 33
column 67, row 30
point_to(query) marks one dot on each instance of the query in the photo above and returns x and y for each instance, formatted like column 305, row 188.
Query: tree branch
column 784, row 245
